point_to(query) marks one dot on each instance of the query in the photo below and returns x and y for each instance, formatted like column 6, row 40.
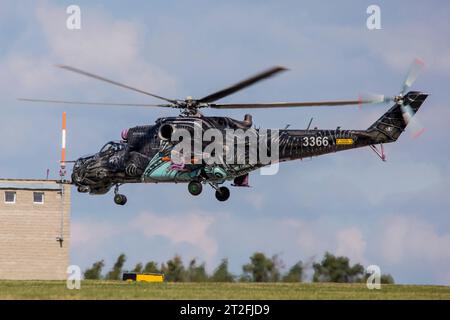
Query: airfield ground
column 123, row 290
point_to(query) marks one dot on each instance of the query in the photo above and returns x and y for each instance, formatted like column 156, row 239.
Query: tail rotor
column 416, row 128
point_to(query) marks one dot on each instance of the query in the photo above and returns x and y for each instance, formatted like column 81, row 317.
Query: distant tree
column 337, row 269
column 295, row 273
column 245, row 277
column 94, row 272
column 151, row 267
column 137, row 268
column 387, row 279
column 196, row 273
column 221, row 273
column 384, row 279
column 116, row 271
column 261, row 268
column 277, row 265
column 174, row 270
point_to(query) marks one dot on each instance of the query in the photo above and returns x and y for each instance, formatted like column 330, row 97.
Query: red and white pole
column 63, row 142
column 62, row 174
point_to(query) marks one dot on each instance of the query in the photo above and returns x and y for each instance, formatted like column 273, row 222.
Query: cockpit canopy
column 112, row 146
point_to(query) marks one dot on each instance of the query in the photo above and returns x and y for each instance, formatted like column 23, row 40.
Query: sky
column 394, row 214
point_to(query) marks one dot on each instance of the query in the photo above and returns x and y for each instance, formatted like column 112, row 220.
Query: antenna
column 62, row 175
column 309, row 124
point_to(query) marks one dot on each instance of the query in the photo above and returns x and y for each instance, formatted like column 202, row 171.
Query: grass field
column 123, row 290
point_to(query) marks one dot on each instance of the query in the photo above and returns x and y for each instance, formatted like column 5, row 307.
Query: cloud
column 28, row 73
column 191, row 228
column 348, row 176
column 316, row 236
column 350, row 243
column 393, row 243
column 255, row 199
column 93, row 43
column 307, row 239
column 407, row 239
column 185, row 233
column 103, row 44
column 107, row 46
column 89, row 233
column 398, row 46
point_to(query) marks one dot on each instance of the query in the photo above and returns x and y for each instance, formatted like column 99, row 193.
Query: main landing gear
column 119, row 199
column 195, row 188
column 222, row 193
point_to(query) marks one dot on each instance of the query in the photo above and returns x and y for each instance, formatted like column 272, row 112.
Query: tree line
column 260, row 268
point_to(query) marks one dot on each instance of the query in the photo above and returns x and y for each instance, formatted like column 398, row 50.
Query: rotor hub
column 398, row 98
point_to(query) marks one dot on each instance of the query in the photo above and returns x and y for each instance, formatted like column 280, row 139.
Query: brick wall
column 28, row 231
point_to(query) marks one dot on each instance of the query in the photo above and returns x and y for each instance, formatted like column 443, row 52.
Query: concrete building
column 31, row 220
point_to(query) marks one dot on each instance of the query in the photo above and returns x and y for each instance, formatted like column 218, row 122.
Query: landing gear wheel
column 222, row 194
column 120, row 199
column 195, row 188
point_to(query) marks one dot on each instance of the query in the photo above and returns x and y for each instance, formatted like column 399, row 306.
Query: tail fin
column 391, row 125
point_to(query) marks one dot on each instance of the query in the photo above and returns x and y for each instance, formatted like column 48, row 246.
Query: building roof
column 29, row 184
column 26, row 180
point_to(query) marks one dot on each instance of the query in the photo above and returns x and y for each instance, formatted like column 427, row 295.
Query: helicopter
column 145, row 154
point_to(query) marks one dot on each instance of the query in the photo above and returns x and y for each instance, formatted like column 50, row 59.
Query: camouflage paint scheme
column 143, row 155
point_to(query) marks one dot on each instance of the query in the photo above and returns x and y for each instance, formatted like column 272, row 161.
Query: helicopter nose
column 78, row 171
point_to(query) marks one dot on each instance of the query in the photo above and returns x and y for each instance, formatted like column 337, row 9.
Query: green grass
column 123, row 290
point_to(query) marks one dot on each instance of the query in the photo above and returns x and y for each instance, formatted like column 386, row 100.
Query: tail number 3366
column 315, row 141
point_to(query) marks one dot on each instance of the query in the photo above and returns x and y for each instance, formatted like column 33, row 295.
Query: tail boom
column 299, row 144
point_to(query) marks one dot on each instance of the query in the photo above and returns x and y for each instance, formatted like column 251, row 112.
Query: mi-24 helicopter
column 145, row 154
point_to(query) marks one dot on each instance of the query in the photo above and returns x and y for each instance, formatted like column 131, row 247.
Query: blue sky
column 394, row 214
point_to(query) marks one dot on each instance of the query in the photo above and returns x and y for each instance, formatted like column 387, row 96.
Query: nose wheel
column 119, row 199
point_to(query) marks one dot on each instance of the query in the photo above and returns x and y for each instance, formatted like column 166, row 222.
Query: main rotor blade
column 289, row 104
column 69, row 68
column 94, row 103
column 413, row 72
column 242, row 84
column 375, row 97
